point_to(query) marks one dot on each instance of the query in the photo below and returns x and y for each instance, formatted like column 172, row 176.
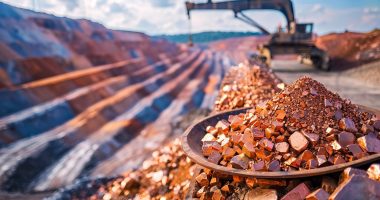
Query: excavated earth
column 79, row 101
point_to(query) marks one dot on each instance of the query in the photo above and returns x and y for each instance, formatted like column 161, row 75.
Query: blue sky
column 168, row 16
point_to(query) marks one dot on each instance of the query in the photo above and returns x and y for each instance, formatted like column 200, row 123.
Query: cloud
column 317, row 8
column 70, row 4
column 162, row 3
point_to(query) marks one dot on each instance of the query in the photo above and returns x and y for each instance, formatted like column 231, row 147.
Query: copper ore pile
column 166, row 175
column 246, row 86
column 303, row 127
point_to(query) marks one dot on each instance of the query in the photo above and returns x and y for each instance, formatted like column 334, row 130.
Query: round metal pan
column 191, row 144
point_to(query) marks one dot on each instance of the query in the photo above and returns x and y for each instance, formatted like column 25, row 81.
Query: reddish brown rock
column 374, row 172
column 366, row 128
column 202, row 179
column 240, row 161
column 369, row 143
column 217, row 195
column 257, row 133
column 346, row 138
column 356, row 151
column 348, row 172
column 261, row 194
column 376, row 125
column 280, row 115
column 357, row 187
column 249, row 149
column 298, row 193
column 312, row 164
column 266, row 144
column 259, row 166
column 312, row 137
column 306, row 155
column 339, row 160
column 274, row 165
column 209, row 147
column 223, row 125
column 282, row 147
column 348, row 125
column 321, row 159
column 298, row 142
column 215, row 157
column 228, row 153
column 319, row 194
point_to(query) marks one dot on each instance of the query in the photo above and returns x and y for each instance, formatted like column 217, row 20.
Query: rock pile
column 303, row 127
column 246, row 86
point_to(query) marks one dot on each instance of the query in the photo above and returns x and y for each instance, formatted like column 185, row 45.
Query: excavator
column 297, row 38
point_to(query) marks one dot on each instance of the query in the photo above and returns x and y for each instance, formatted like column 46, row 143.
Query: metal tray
column 191, row 144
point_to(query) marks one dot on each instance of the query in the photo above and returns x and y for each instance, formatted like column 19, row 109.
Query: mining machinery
column 297, row 38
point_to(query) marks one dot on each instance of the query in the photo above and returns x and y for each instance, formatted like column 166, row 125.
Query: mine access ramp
column 296, row 38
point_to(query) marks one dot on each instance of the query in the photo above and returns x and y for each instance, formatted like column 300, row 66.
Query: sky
column 169, row 16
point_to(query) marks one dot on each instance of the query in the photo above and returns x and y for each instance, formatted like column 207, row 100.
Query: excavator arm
column 237, row 6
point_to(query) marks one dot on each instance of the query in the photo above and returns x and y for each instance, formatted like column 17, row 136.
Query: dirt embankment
column 349, row 50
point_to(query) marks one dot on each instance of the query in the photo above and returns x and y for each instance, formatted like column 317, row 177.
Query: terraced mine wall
column 78, row 99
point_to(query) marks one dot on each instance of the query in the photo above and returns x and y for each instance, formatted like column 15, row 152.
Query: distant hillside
column 204, row 37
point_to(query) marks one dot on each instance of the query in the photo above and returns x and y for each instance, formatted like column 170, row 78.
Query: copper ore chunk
column 329, row 184
column 202, row 179
column 298, row 193
column 356, row 151
column 322, row 151
column 330, row 137
column 369, row 143
column 201, row 191
column 328, row 103
column 280, row 115
column 266, row 144
column 338, row 115
column 346, row 138
column 319, row 194
column 217, row 195
column 321, row 159
column 336, row 146
column 226, row 188
column 282, row 147
column 236, row 122
column 376, row 125
column 215, row 157
column 374, row 172
column 208, row 138
column 312, row 137
column 330, row 131
column 240, row 161
column 264, row 154
column 261, row 194
column 298, row 141
column 312, row 164
column 228, row 153
column 209, row 147
column 259, row 166
column 339, row 160
column 249, row 150
column 257, row 133
column 274, row 165
column 348, row 172
column 357, row 187
column 348, row 125
column 306, row 155
column 367, row 129
column 223, row 125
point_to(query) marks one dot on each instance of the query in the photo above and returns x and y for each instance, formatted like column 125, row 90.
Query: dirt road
column 346, row 86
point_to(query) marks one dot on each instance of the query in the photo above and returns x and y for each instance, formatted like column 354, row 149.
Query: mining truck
column 296, row 38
